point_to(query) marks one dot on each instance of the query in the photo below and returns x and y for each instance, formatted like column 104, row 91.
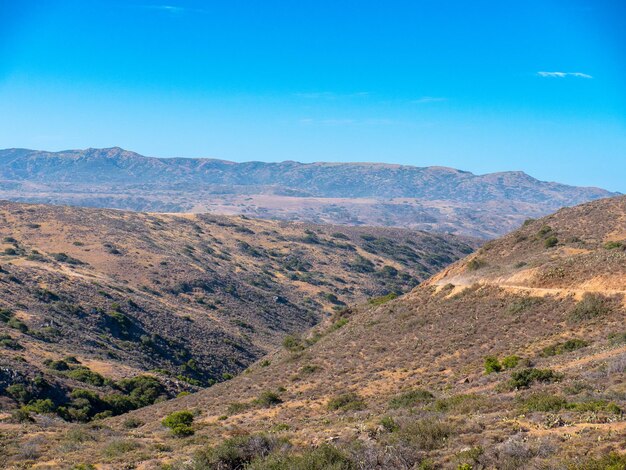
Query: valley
column 510, row 358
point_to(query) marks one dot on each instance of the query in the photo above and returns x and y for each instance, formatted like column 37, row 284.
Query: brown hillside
column 190, row 299
column 495, row 371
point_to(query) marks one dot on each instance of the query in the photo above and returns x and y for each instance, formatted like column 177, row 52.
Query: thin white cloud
column 173, row 9
column 563, row 74
column 429, row 99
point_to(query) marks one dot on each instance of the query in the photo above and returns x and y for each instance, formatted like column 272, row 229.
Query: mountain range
column 428, row 198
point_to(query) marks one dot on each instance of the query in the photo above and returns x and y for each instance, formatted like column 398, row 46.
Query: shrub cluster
column 179, row 423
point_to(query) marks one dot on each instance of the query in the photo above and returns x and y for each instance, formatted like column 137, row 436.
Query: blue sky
column 538, row 85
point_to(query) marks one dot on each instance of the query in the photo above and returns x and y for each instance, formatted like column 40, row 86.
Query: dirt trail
column 462, row 283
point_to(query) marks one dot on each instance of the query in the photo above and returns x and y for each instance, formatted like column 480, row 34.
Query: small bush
column 492, row 364
column 339, row 324
column 236, row 453
column 293, row 344
column 551, row 242
column 591, row 306
column 21, row 416
column 525, row 377
column 595, row 406
column 41, row 406
column 324, row 457
column 520, row 305
column 562, row 348
column 132, row 423
column 388, row 424
column 83, row 374
column 17, row 324
column 614, row 245
column 376, row 301
column 460, row 404
column 612, row 461
column 346, row 402
column 544, row 230
column 426, row 434
column 268, row 399
column 237, row 407
column 179, row 423
column 119, row 447
column 476, row 264
column 411, row 398
column 308, row 369
column 511, row 362
column 617, row 338
column 543, row 402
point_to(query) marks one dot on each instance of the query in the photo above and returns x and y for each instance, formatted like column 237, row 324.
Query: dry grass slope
column 490, row 364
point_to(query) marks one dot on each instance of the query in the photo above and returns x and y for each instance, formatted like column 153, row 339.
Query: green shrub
column 617, row 338
column 83, row 374
column 543, row 402
column 346, row 402
column 324, row 457
column 41, row 406
column 293, row 344
column 591, row 306
column 143, row 390
column 65, row 258
column 9, row 343
column 237, row 407
column 309, row 369
column 525, row 303
column 132, row 423
column 511, row 362
column 236, row 453
column 550, row 242
column 19, row 392
column 475, row 264
column 562, row 348
column 411, row 398
column 59, row 365
column 339, row 324
column 595, row 406
column 525, row 377
column 613, row 245
column 612, row 461
column 376, row 301
column 460, row 404
column 21, row 416
column 544, row 230
column 492, row 364
column 119, row 447
column 268, row 399
column 17, row 324
column 425, row 434
column 179, row 423
column 5, row 315
column 388, row 424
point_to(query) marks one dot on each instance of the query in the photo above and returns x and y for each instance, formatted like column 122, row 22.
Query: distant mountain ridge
column 320, row 179
column 427, row 198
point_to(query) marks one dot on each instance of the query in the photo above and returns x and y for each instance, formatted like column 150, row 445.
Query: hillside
column 90, row 298
column 511, row 358
column 427, row 198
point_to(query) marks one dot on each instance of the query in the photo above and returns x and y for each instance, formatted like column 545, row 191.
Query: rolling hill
column 513, row 357
column 427, row 198
column 94, row 298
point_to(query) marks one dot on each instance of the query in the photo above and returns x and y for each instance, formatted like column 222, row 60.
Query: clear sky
column 533, row 85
